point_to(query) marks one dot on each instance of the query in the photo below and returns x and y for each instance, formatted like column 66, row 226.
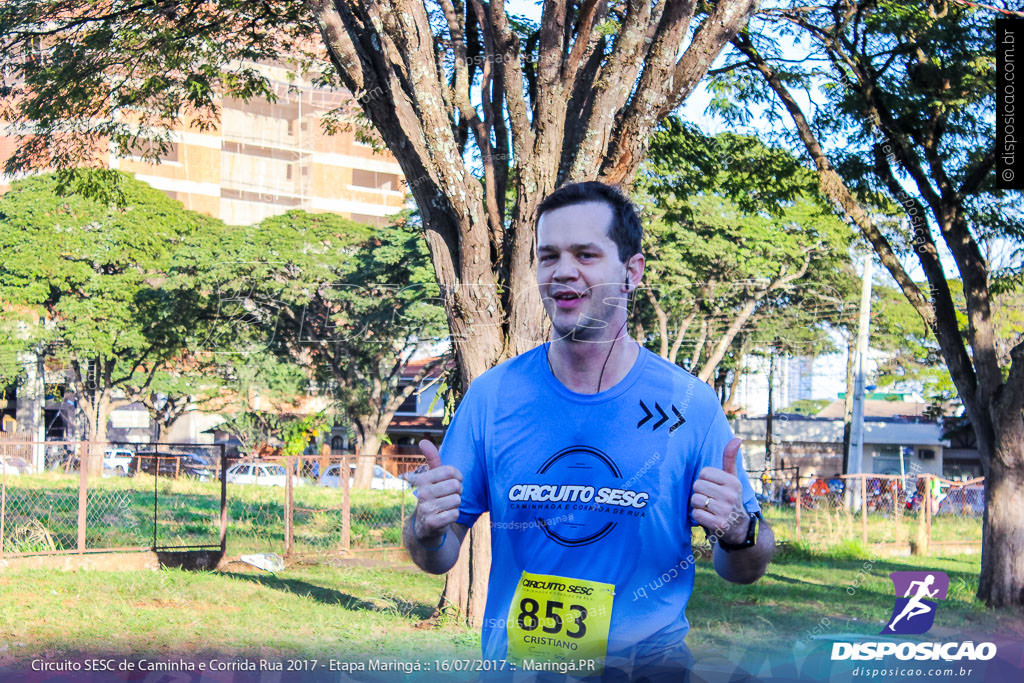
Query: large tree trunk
column 98, row 416
column 1002, row 552
column 92, row 387
column 366, row 458
column 587, row 114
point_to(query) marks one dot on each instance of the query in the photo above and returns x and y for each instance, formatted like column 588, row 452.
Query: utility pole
column 771, row 409
column 856, row 463
column 851, row 356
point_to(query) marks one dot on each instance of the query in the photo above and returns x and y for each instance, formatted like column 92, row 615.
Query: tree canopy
column 348, row 304
column 85, row 280
column 902, row 127
column 740, row 246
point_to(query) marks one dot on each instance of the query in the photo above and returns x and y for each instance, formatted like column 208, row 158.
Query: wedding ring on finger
column 707, row 502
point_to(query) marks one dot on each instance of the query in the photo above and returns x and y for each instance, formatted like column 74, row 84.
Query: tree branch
column 612, row 83
column 673, row 353
column 944, row 311
column 1012, row 390
column 833, row 187
column 662, row 317
column 665, row 82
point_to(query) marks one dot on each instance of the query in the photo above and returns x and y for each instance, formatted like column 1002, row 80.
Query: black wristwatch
column 748, row 541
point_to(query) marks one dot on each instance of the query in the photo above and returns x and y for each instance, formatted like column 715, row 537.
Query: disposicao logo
column 915, row 611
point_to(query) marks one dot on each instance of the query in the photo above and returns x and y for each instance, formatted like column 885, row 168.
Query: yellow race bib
column 559, row 619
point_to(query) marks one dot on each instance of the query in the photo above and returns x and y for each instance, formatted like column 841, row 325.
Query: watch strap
column 749, row 541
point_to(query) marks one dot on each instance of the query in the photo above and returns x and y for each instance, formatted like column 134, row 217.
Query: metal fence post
column 222, row 465
column 899, row 493
column 156, row 493
column 864, row 509
column 289, row 508
column 799, row 504
column 402, row 519
column 921, row 547
column 346, row 506
column 3, row 508
column 83, row 491
column 928, row 513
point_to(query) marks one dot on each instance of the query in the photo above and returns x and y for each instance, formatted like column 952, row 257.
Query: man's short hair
column 625, row 229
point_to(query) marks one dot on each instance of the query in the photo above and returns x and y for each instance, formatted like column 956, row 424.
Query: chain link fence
column 126, row 497
column 318, row 510
column 189, row 496
column 921, row 512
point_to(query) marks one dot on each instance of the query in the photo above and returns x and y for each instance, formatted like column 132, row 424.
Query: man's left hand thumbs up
column 717, row 500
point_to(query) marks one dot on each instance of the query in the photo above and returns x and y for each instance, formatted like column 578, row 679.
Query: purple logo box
column 915, row 601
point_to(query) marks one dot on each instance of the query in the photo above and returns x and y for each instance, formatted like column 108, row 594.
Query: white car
column 262, row 473
column 118, row 459
column 13, row 465
column 382, row 479
column 963, row 500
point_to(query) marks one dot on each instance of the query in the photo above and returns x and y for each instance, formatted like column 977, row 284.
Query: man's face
column 581, row 279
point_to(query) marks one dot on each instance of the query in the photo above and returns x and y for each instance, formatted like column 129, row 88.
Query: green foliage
column 346, row 303
column 182, row 57
column 807, row 406
column 914, row 354
column 92, row 270
column 261, row 375
column 735, row 223
column 86, row 276
column 903, row 95
column 297, row 434
column 683, row 162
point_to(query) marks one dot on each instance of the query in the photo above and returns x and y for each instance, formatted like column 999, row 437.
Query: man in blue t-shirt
column 594, row 458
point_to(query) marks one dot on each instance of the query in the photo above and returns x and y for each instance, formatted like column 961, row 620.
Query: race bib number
column 559, row 619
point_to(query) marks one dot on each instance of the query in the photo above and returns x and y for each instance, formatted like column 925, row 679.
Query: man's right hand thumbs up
column 438, row 494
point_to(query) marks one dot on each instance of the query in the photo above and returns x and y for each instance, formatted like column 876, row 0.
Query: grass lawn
column 826, row 526
column 321, row 611
column 315, row 611
column 808, row 594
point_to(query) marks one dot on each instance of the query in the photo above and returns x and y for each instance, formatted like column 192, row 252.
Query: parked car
column 969, row 500
column 118, row 459
column 13, row 465
column 205, row 458
column 410, row 475
column 261, row 473
column 172, row 465
column 382, row 479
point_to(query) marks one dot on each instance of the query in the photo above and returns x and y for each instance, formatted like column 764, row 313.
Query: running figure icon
column 915, row 606
column 914, row 612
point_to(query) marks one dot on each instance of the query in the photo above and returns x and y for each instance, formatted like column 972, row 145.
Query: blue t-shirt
column 590, row 486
